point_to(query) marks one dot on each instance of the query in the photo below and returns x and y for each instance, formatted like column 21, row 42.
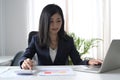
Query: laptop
column 111, row 60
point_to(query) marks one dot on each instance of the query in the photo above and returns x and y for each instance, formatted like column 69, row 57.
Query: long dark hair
column 44, row 24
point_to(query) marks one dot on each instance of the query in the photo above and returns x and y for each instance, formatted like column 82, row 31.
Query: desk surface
column 111, row 75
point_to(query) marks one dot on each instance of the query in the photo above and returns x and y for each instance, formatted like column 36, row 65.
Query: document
column 55, row 71
column 4, row 70
column 40, row 71
column 11, row 72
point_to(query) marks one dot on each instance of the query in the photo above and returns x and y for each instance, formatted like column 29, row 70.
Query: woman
column 52, row 45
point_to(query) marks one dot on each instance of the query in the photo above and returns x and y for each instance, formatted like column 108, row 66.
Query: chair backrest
column 15, row 61
column 31, row 35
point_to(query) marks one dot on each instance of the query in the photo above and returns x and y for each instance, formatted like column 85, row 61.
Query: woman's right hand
column 27, row 64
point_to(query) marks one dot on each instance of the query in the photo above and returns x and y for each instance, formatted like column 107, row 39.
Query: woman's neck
column 53, row 38
column 54, row 41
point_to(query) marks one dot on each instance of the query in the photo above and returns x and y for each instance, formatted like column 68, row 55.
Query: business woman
column 52, row 45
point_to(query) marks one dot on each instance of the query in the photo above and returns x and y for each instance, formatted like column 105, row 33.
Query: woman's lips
column 55, row 29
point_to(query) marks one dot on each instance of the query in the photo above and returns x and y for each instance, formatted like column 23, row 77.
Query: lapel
column 59, row 51
column 47, row 54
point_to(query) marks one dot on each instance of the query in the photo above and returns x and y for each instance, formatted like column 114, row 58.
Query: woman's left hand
column 95, row 62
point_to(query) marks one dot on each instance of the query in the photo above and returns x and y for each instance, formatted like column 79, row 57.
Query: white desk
column 112, row 75
column 5, row 60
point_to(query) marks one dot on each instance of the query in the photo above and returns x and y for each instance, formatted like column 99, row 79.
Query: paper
column 40, row 71
column 4, row 70
column 56, row 71
column 10, row 73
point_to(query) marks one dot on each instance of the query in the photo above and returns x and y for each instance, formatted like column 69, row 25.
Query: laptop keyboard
column 87, row 67
column 93, row 68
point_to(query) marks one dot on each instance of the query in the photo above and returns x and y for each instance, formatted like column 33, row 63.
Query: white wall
column 2, row 30
column 13, row 26
column 0, row 27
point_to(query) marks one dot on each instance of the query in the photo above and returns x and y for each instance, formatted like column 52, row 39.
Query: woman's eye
column 58, row 21
column 55, row 21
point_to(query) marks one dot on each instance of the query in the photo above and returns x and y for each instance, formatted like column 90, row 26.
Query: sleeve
column 75, row 56
column 29, row 52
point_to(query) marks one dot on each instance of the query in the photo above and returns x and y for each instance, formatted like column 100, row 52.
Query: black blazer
column 65, row 48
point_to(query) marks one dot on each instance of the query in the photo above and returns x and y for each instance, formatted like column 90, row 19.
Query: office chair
column 15, row 61
column 31, row 34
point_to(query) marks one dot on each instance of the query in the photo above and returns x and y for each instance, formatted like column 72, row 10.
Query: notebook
column 111, row 60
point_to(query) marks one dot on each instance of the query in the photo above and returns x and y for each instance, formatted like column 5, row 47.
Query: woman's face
column 55, row 23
